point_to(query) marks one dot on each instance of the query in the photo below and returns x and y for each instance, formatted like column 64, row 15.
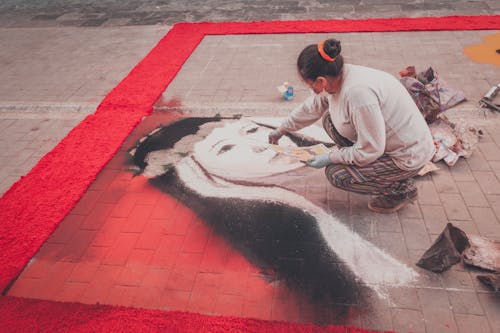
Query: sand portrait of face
column 239, row 150
column 232, row 149
column 225, row 171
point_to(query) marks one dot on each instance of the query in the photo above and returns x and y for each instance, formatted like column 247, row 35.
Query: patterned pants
column 381, row 177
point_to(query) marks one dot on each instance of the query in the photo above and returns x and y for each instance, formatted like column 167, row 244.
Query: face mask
column 323, row 93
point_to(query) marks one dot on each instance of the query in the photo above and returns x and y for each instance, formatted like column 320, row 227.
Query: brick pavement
column 123, row 245
column 92, row 13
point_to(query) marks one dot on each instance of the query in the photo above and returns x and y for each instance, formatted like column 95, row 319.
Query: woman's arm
column 305, row 114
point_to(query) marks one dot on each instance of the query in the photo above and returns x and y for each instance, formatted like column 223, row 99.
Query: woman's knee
column 338, row 176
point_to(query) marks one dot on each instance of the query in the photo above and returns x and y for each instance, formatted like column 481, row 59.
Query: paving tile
column 111, row 195
column 37, row 268
column 437, row 312
column 236, row 262
column 260, row 290
column 234, row 283
column 410, row 211
column 104, row 179
column 415, row 234
column 148, row 195
column 196, row 238
column 105, row 278
column 486, row 221
column 131, row 276
column 216, row 255
column 454, row 206
column 461, row 171
column 95, row 254
column 175, row 299
column 121, row 249
column 283, row 310
column 495, row 166
column 109, row 231
column 84, row 272
column 166, row 254
column 148, row 298
column 381, row 320
column 181, row 279
column 490, row 151
column 404, row 298
column 66, row 229
column 387, row 222
column 491, row 308
column 407, row 320
column 124, row 206
column 51, row 252
column 151, row 237
column 155, row 278
column 394, row 243
column 477, row 162
column 76, row 248
column 71, row 291
column 472, row 323
column 203, row 301
column 456, row 279
column 26, row 287
column 465, row 302
column 97, row 216
column 443, row 180
column 257, row 310
column 165, row 210
column 472, row 194
column 138, row 218
column 86, row 203
column 435, row 218
column 494, row 201
column 488, row 182
column 140, row 257
column 427, row 192
column 121, row 295
column 52, row 282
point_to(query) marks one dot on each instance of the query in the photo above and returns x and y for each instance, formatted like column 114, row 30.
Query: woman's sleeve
column 305, row 114
column 366, row 117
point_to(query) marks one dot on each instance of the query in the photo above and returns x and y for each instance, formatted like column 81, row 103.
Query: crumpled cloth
column 483, row 253
column 453, row 139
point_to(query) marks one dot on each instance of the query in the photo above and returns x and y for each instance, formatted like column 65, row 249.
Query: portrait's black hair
column 283, row 241
column 311, row 64
column 167, row 136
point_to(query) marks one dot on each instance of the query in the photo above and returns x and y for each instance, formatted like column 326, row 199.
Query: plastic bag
column 431, row 93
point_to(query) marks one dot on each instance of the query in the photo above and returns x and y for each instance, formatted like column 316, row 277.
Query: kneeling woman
column 382, row 139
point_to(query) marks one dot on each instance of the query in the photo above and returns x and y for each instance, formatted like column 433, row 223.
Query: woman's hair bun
column 332, row 47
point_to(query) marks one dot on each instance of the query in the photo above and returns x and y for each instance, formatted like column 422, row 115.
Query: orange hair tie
column 321, row 50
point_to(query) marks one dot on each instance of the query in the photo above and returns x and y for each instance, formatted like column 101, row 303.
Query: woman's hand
column 319, row 161
column 274, row 136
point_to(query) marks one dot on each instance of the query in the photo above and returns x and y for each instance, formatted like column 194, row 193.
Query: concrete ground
column 98, row 13
column 54, row 75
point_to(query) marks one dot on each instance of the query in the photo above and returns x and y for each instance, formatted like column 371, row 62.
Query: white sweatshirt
column 375, row 111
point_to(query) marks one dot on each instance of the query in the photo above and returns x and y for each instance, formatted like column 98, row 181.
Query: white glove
column 274, row 136
column 319, row 161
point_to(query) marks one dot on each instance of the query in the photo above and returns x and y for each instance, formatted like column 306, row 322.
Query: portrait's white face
column 239, row 150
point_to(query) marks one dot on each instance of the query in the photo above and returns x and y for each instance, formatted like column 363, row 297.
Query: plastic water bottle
column 288, row 94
